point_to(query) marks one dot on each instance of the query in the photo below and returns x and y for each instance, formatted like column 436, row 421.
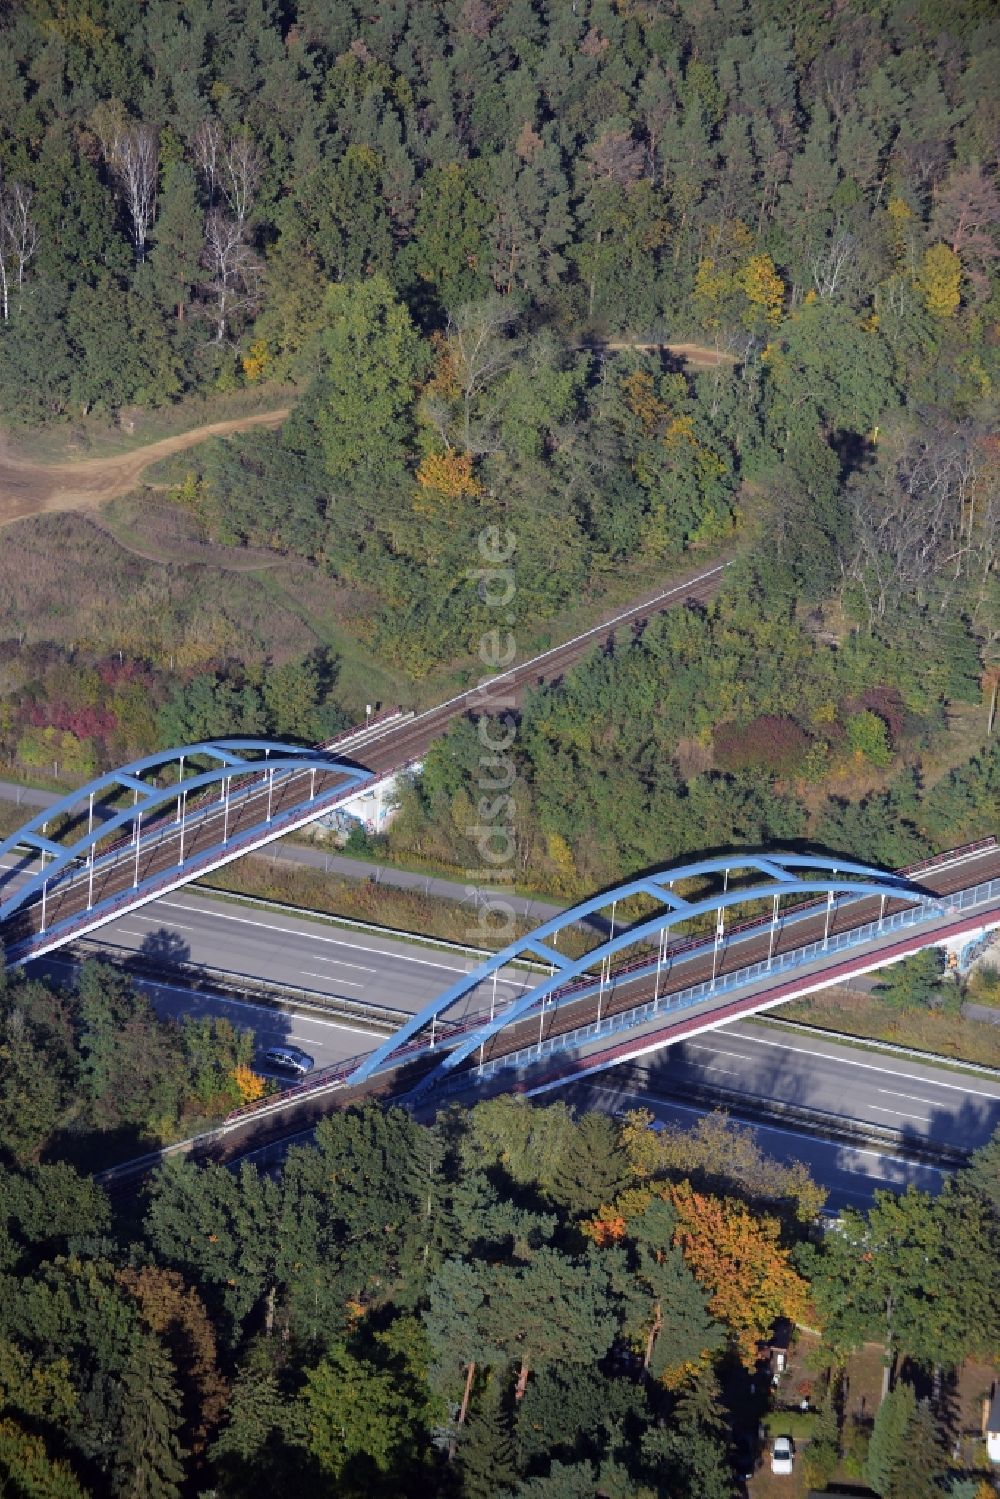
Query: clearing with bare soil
column 29, row 488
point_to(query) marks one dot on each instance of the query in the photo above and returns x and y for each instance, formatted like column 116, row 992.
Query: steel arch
column 781, row 880
column 273, row 757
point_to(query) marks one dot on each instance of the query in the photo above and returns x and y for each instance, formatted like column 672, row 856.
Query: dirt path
column 698, row 355
column 28, row 488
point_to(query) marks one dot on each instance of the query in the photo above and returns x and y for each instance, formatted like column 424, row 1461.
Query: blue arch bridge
column 679, row 950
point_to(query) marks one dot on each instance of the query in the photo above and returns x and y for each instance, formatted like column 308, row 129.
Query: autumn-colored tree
column 176, row 1312
column 256, row 361
column 26, row 1467
column 607, row 1226
column 940, row 280
column 449, row 474
column 249, row 1084
column 643, row 402
column 737, row 1257
column 764, row 290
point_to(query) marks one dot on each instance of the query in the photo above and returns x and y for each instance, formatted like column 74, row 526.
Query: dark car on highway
column 289, row 1059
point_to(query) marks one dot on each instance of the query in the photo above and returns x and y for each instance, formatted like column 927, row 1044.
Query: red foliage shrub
column 886, row 704
column 85, row 723
column 766, row 743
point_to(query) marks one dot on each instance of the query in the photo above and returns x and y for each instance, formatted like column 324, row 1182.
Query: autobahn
column 755, row 1064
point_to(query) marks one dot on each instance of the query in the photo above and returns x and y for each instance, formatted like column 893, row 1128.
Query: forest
column 514, row 1301
column 455, row 238
column 456, row 232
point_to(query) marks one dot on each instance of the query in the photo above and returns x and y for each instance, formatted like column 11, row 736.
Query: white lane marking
column 716, row 1050
column 343, row 963
column 897, row 1113
column 731, row 1071
column 286, row 931
column 158, row 921
column 911, row 1077
column 334, row 978
column 931, row 1103
column 776, row 1129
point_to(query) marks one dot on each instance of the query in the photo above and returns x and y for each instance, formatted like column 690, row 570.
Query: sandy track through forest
column 28, row 488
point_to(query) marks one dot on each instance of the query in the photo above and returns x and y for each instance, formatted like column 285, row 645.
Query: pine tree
column 887, row 1456
column 486, row 1452
column 149, row 1460
column 177, row 238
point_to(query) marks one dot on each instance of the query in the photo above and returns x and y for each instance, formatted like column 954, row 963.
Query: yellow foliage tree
column 680, row 430
column 712, row 287
column 249, row 1084
column 256, row 360
column 763, row 288
column 449, row 474
column 561, row 856
column 643, row 402
column 940, row 280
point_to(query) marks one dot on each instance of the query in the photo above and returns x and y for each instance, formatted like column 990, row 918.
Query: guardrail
column 333, row 1078
column 761, row 924
column 346, row 735
column 754, row 1107
column 202, row 978
column 160, row 884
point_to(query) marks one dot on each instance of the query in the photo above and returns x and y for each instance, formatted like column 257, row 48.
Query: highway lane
column 193, row 926
column 762, row 1062
column 850, row 1174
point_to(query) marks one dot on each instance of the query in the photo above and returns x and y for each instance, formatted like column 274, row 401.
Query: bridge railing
column 160, row 884
column 758, row 923
column 696, row 994
column 624, row 1020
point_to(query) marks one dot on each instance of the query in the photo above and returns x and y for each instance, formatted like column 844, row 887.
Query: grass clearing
column 867, row 1015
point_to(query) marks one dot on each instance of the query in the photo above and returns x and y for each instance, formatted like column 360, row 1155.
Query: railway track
column 285, row 804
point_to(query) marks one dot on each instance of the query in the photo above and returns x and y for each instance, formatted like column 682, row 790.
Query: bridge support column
column 138, row 837
column 90, row 876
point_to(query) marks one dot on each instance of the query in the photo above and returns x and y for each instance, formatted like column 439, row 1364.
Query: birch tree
column 18, row 239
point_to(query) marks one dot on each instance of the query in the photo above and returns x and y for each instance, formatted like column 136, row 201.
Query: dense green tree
column 915, row 981
column 592, row 1169
column 693, row 1446
column 176, row 253
column 363, row 405
column 148, row 1460
column 486, row 1454
column 888, row 1459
